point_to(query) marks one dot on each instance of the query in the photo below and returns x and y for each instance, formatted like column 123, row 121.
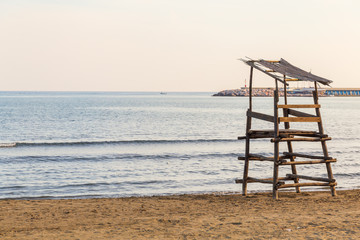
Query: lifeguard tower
column 283, row 72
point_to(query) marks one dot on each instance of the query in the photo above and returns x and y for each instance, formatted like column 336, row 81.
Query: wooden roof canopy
column 281, row 70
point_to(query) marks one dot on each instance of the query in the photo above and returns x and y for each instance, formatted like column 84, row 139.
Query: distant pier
column 343, row 92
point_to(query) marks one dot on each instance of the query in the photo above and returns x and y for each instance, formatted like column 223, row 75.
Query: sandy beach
column 309, row 215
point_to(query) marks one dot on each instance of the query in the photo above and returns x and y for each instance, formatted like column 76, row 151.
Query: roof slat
column 285, row 68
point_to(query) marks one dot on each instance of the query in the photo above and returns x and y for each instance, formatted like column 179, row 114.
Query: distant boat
column 163, row 93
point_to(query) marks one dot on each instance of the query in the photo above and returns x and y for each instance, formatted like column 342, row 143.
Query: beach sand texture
column 309, row 215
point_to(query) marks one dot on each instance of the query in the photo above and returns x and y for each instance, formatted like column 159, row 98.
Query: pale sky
column 168, row 45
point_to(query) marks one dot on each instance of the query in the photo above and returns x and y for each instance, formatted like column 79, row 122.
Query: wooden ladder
column 288, row 135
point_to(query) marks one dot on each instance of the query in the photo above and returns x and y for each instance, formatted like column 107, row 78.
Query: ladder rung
column 308, row 184
column 299, row 106
column 306, row 156
column 294, row 176
column 308, row 162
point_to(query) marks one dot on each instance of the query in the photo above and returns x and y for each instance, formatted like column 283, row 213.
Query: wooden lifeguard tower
column 283, row 72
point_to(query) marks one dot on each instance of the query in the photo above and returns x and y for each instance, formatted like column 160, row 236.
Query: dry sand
column 314, row 215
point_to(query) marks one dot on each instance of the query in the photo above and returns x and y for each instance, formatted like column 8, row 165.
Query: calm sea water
column 80, row 145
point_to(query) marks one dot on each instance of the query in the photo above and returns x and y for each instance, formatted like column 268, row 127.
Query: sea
column 120, row 144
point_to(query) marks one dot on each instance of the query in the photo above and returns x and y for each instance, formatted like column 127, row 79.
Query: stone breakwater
column 262, row 92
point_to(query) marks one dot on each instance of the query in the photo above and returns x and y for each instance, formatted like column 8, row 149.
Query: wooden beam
column 288, row 143
column 299, row 114
column 259, row 180
column 323, row 143
column 308, row 139
column 294, row 176
column 299, row 119
column 250, row 87
column 308, row 162
column 297, row 132
column 306, row 184
column 306, row 156
column 258, row 157
column 247, row 144
column 260, row 116
column 291, row 79
column 276, row 144
column 299, row 106
column 272, row 61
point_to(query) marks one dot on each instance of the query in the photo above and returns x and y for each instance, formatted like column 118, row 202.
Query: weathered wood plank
column 283, row 133
column 296, row 131
column 307, row 139
column 295, row 176
column 276, row 144
column 259, row 180
column 272, row 61
column 287, row 131
column 260, row 116
column 289, row 70
column 308, row 162
column 286, row 112
column 306, row 156
column 299, row 114
column 252, row 180
column 299, row 106
column 247, row 144
column 258, row 157
column 299, row 119
column 309, row 184
column 323, row 143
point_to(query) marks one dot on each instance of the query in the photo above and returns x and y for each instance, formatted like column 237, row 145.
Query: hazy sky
column 168, row 45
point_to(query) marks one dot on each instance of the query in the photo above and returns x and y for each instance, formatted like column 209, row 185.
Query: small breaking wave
column 113, row 142
column 119, row 157
column 7, row 145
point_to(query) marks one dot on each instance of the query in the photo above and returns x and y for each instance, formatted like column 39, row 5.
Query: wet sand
column 309, row 215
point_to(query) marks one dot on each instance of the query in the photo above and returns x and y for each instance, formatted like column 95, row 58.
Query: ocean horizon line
column 97, row 91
